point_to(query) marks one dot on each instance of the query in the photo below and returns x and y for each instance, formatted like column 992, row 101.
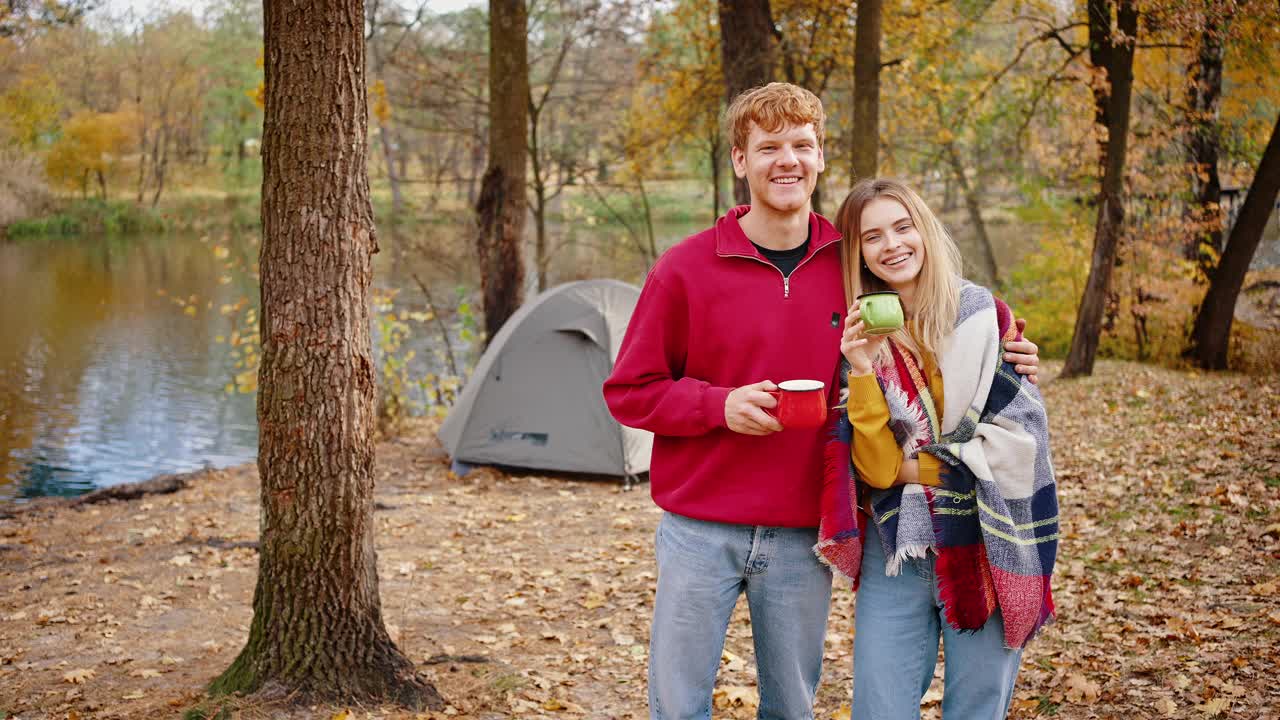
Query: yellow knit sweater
column 876, row 453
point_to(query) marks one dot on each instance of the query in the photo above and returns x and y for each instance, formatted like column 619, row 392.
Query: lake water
column 105, row 379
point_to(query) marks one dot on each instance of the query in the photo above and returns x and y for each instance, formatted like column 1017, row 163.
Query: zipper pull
column 786, row 286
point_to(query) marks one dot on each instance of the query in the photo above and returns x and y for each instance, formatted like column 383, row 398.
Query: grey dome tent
column 534, row 400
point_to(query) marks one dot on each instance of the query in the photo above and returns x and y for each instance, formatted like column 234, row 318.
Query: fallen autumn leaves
column 528, row 596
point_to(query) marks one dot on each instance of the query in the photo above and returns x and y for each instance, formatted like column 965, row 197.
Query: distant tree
column 1211, row 333
column 90, row 149
column 579, row 56
column 1204, row 141
column 864, row 149
column 19, row 16
column 232, row 57
column 679, row 97
column 502, row 206
column 386, row 30
column 168, row 95
column 29, row 110
column 317, row 627
column 748, row 52
column 1110, row 50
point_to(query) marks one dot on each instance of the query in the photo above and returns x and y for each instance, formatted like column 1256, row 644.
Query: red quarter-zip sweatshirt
column 715, row 315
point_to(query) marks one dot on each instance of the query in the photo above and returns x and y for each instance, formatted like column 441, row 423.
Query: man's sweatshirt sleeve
column 648, row 388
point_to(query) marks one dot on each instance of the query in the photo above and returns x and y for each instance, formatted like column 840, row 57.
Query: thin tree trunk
column 142, row 166
column 162, row 164
column 1101, row 55
column 393, row 175
column 386, row 137
column 648, row 223
column 317, row 629
column 865, row 148
column 1204, row 93
column 713, row 154
column 1110, row 221
column 502, row 204
column 748, row 45
column 540, row 243
column 478, row 151
column 539, row 187
column 1211, row 333
column 974, row 207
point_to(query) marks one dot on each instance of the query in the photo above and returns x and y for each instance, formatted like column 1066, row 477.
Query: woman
column 948, row 512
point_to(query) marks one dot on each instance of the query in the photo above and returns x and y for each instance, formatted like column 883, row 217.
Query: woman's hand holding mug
column 858, row 347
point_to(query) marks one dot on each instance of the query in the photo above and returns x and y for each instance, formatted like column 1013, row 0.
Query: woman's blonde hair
column 937, row 296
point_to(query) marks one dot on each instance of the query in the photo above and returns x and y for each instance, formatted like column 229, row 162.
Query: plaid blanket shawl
column 993, row 523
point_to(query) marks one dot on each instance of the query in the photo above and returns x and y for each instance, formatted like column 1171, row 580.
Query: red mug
column 802, row 404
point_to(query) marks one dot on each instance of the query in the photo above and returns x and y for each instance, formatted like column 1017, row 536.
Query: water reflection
column 102, row 380
column 105, row 380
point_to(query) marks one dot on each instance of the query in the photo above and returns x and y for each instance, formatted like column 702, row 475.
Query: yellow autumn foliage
column 28, row 109
column 90, row 148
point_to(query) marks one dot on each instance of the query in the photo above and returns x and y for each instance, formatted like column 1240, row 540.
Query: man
column 757, row 298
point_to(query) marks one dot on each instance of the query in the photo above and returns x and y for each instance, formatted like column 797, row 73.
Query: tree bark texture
column 748, row 49
column 502, row 205
column 1211, row 332
column 865, row 148
column 317, row 627
column 1101, row 57
column 1110, row 221
column 1204, row 143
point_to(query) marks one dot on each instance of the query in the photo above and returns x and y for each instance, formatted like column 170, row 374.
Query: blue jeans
column 895, row 648
column 702, row 568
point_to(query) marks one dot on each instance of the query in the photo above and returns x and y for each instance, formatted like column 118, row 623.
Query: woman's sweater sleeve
column 876, row 453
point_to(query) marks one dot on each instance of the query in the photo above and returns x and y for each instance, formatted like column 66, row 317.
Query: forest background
column 115, row 122
column 1105, row 165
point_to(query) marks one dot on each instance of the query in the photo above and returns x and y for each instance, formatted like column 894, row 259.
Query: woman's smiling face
column 891, row 244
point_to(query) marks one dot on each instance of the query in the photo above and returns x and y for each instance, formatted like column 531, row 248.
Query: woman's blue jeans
column 702, row 568
column 895, row 648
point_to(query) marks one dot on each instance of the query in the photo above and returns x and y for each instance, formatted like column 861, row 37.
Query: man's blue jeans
column 702, row 568
column 897, row 622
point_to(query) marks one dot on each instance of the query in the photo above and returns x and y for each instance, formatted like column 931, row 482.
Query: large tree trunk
column 1204, row 92
column 1212, row 329
column 974, row 207
column 1110, row 222
column 748, row 45
column 317, row 627
column 864, row 151
column 502, row 204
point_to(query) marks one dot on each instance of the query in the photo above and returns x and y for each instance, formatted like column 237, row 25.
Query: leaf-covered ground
column 1167, row 591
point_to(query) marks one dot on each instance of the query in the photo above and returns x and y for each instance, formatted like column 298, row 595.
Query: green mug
column 881, row 312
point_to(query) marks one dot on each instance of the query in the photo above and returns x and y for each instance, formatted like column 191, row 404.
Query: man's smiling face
column 780, row 167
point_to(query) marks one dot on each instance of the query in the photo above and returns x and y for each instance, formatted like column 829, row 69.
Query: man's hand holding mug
column 745, row 409
column 799, row 404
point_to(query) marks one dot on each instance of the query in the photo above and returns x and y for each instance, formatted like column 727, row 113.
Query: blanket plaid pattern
column 993, row 523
